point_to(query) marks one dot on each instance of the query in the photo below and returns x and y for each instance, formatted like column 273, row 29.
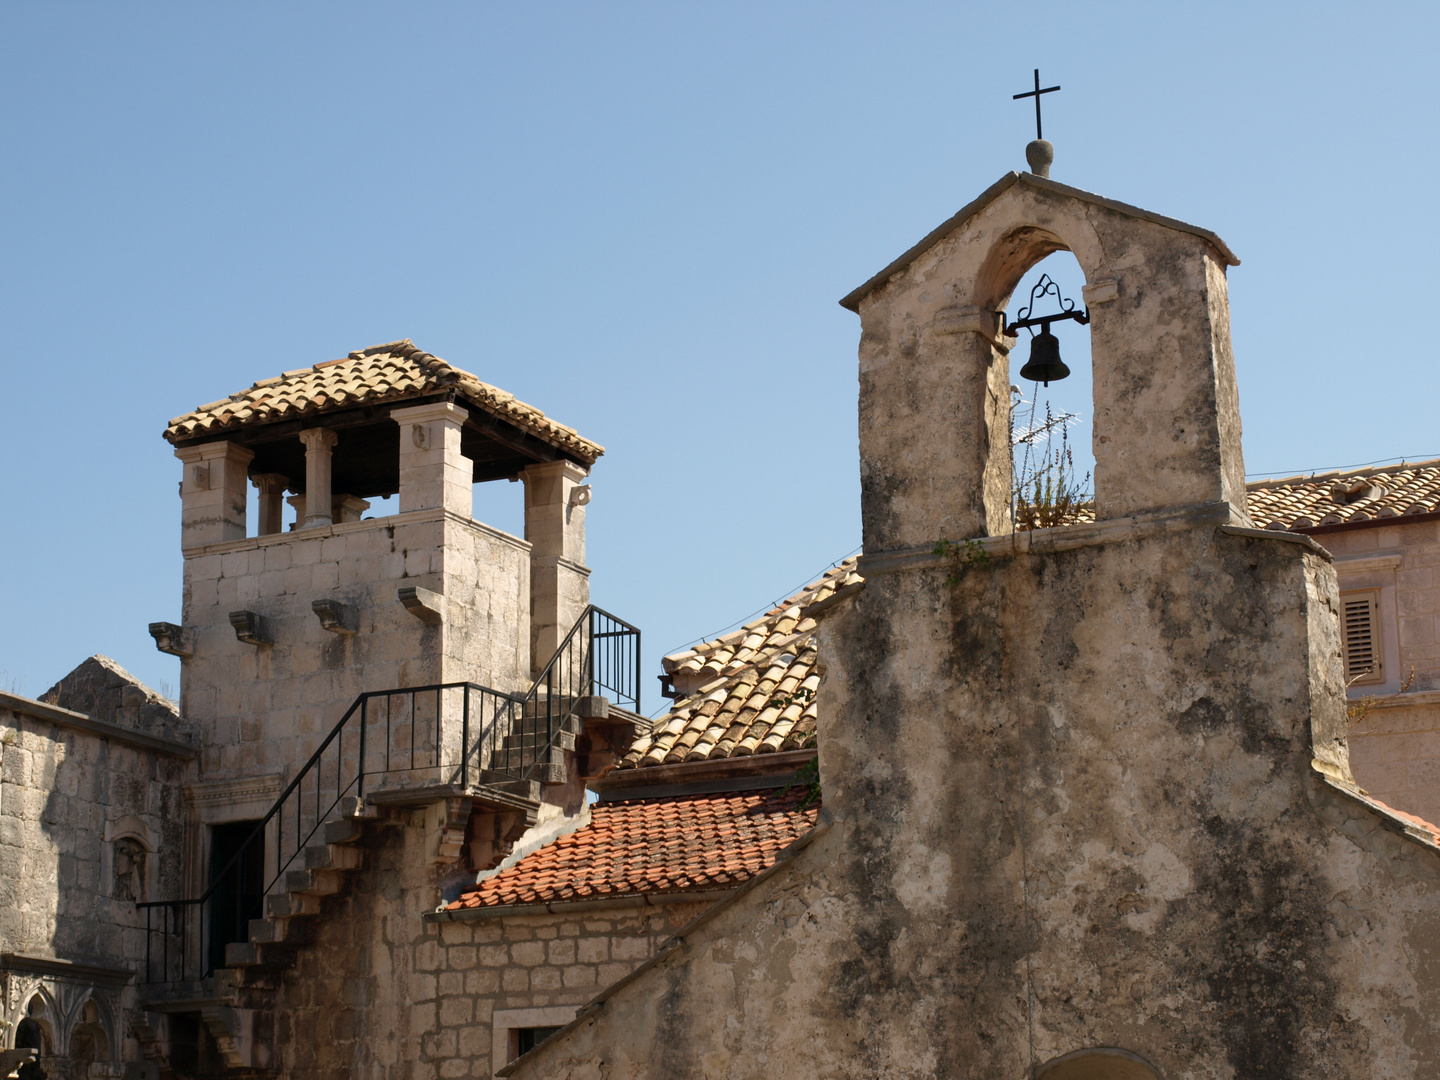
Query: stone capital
column 270, row 483
column 318, row 438
column 436, row 410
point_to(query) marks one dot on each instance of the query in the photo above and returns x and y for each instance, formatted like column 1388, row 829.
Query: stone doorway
column 239, row 885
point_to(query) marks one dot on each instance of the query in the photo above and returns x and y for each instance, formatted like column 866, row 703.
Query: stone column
column 433, row 471
column 555, row 527
column 319, row 442
column 345, row 508
column 271, row 488
column 212, row 493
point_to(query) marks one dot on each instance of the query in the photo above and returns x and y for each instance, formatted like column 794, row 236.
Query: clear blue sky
column 639, row 217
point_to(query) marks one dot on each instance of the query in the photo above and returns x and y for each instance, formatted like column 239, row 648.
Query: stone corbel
column 449, row 821
column 250, row 628
column 427, row 606
column 1100, row 292
column 171, row 639
column 336, row 617
column 969, row 319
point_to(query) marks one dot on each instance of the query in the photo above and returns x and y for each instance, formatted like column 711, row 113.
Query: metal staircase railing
column 458, row 733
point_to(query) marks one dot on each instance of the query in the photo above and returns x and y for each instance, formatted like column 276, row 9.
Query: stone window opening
column 1370, row 623
column 526, row 1039
column 1362, row 637
column 518, row 1031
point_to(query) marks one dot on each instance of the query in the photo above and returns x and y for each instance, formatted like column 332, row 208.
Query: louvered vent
column 1364, row 661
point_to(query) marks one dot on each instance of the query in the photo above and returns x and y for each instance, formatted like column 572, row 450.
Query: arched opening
column 1053, row 465
column 34, row 1032
column 1098, row 1063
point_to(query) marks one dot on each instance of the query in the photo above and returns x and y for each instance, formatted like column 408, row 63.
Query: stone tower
column 282, row 629
column 1090, row 813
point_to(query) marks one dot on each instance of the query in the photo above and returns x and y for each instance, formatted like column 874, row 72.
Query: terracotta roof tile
column 382, row 373
column 1334, row 498
column 687, row 842
column 757, row 694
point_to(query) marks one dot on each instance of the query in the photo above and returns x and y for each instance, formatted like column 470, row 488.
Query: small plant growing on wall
column 961, row 556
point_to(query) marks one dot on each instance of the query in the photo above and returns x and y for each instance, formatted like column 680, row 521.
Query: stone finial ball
column 1040, row 154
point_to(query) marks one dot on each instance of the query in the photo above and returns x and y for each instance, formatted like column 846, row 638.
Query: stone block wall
column 261, row 709
column 384, row 993
column 493, row 976
column 87, row 826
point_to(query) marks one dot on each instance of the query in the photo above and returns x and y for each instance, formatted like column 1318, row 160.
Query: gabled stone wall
column 90, row 822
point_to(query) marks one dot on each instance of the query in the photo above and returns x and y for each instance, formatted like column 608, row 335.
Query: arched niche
column 91, row 1038
column 1098, row 1063
column 935, row 369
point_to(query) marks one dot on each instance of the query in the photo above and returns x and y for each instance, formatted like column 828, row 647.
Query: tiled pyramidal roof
column 1336, row 498
column 758, row 690
column 382, row 373
column 688, row 843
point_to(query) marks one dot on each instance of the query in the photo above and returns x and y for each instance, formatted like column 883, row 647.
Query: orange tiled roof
column 381, row 373
column 1334, row 498
column 758, row 696
column 692, row 843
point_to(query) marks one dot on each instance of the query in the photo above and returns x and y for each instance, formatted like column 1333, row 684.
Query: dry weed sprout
column 1356, row 711
column 1046, row 493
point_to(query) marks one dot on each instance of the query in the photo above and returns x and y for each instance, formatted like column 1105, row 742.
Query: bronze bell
column 1044, row 364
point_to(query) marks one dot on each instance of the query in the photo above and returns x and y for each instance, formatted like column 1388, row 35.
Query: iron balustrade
column 443, row 735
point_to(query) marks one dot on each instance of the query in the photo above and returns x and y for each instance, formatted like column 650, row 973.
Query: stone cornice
column 65, row 969
column 1381, row 560
column 237, row 790
column 105, row 729
column 1089, row 534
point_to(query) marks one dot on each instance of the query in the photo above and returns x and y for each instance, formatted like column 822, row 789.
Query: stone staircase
column 236, row 1002
column 291, row 912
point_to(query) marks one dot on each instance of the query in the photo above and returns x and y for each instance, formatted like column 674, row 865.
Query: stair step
column 318, row 882
column 564, row 740
column 247, row 954
column 333, row 857
column 352, row 806
column 282, row 931
column 553, row 772
column 344, row 830
column 292, row 905
column 525, row 789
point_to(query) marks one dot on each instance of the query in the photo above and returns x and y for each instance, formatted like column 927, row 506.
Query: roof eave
column 592, row 453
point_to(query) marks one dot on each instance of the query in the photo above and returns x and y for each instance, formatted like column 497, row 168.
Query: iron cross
column 1036, row 95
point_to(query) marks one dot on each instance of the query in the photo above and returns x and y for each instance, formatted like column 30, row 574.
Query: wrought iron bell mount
column 1045, row 365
